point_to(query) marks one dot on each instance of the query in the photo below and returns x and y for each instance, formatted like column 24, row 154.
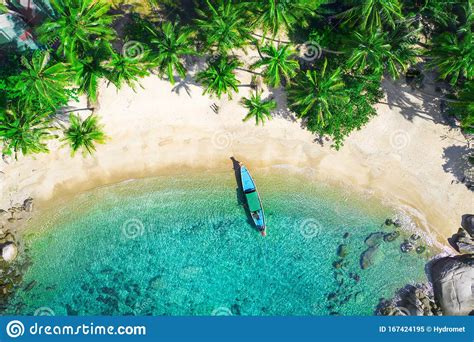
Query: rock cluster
column 417, row 300
column 12, row 265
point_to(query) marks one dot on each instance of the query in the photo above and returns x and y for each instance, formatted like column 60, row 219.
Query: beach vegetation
column 219, row 77
column 83, row 135
column 169, row 45
column 258, row 108
column 278, row 63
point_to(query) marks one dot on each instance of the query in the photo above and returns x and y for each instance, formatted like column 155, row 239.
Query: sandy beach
column 403, row 156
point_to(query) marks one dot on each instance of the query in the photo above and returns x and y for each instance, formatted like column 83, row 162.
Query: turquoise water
column 184, row 246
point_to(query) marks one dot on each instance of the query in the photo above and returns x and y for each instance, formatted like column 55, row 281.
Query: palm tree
column 219, row 77
column 258, row 108
column 224, row 26
column 371, row 51
column 22, row 130
column 277, row 62
column 78, row 24
column 315, row 93
column 84, row 134
column 126, row 70
column 372, row 14
column 42, row 82
column 275, row 15
column 169, row 45
column 453, row 56
column 90, row 67
column 463, row 107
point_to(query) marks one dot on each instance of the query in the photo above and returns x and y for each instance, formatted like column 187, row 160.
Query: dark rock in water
column 388, row 222
column 332, row 296
column 70, row 311
column 420, row 249
column 235, row 309
column 397, row 223
column 406, row 246
column 334, row 313
column 453, row 284
column 374, row 239
column 342, row 250
column 369, row 257
column 346, row 235
column 355, row 276
column 28, row 205
column 30, row 286
column 415, row 237
column 391, row 236
column 337, row 264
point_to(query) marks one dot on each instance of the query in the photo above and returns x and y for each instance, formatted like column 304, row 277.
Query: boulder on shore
column 9, row 252
column 462, row 241
column 453, row 284
column 467, row 222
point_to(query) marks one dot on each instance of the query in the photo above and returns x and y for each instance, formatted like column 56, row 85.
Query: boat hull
column 254, row 202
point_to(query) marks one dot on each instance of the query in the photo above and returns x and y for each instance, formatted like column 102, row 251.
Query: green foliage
column 316, row 92
column 169, row 45
column 219, row 77
column 90, row 68
column 42, row 83
column 453, row 56
column 277, row 15
column 78, row 24
column 372, row 15
column 462, row 107
column 223, row 26
column 372, row 52
column 23, row 130
column 83, row 135
column 258, row 108
column 122, row 70
column 277, row 63
column 334, row 104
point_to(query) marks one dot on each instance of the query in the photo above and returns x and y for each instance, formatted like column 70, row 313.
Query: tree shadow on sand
column 426, row 101
column 457, row 163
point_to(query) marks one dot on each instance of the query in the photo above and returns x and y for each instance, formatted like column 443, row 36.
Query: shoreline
column 156, row 131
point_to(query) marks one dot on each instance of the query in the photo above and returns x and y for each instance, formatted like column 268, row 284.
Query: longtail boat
column 254, row 202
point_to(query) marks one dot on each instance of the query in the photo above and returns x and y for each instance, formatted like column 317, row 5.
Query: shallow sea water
column 184, row 245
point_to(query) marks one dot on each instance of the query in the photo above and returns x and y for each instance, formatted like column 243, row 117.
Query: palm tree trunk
column 249, row 71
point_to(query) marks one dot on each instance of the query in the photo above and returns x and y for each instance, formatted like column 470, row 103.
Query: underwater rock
column 397, row 223
column 235, row 309
column 342, row 250
column 388, row 222
column 453, row 284
column 415, row 237
column 355, row 276
column 420, row 249
column 374, row 239
column 338, row 264
column 369, row 257
column 412, row 300
column 346, row 235
column 9, row 252
column 389, row 237
column 406, row 246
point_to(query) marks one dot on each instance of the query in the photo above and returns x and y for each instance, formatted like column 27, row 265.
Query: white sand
column 157, row 130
